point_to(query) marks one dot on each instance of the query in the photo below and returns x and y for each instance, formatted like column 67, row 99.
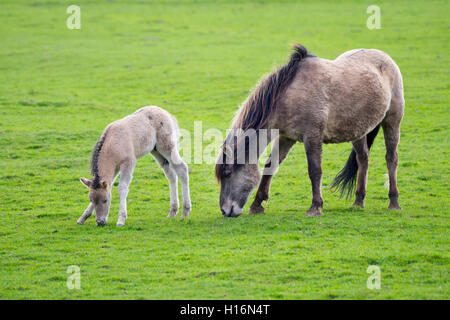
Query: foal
column 148, row 130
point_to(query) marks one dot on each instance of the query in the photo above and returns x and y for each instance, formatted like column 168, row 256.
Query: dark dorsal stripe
column 94, row 160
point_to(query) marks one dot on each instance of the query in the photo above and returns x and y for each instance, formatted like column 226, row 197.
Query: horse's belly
column 338, row 136
column 345, row 127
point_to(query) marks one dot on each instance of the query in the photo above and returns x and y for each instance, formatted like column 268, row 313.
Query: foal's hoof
column 313, row 212
column 80, row 221
column 186, row 211
column 172, row 213
column 120, row 224
column 256, row 209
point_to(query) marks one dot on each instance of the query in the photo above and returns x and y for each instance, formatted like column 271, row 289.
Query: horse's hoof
column 80, row 222
column 394, row 207
column 357, row 206
column 256, row 210
column 120, row 224
column 313, row 212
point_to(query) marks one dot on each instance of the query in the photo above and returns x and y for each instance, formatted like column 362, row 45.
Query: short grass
column 59, row 88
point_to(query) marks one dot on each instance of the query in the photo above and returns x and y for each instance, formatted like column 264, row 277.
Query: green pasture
column 198, row 59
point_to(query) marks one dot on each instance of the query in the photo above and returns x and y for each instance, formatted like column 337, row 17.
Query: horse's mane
column 94, row 160
column 261, row 103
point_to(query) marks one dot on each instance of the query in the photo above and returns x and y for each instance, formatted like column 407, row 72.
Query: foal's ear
column 105, row 185
column 86, row 182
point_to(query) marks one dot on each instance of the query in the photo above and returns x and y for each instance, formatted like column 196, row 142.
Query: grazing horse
column 148, row 130
column 316, row 101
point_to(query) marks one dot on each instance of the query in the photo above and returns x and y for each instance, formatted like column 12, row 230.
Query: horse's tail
column 346, row 178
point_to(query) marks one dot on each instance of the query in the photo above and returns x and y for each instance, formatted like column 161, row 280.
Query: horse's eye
column 104, row 201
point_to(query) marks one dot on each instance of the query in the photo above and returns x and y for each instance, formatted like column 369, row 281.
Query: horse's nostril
column 223, row 212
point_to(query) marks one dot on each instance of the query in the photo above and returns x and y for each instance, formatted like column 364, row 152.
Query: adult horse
column 316, row 101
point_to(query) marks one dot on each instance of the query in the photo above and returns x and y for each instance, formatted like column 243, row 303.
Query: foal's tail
column 346, row 178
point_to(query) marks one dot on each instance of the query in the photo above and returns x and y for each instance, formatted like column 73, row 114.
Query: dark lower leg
column 281, row 147
column 392, row 137
column 392, row 163
column 314, row 155
column 261, row 195
column 362, row 157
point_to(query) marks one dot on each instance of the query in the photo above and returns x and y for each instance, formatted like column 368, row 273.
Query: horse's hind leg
column 173, row 183
column 391, row 129
column 86, row 214
column 182, row 171
column 126, row 175
column 362, row 158
column 170, row 153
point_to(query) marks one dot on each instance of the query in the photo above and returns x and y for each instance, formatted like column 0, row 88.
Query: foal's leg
column 181, row 169
column 282, row 146
column 86, row 214
column 126, row 175
column 362, row 158
column 391, row 130
column 313, row 148
column 173, row 183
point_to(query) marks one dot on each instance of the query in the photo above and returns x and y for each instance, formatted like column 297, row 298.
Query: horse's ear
column 86, row 182
column 105, row 185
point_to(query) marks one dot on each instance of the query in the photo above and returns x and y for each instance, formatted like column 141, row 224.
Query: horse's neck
column 262, row 138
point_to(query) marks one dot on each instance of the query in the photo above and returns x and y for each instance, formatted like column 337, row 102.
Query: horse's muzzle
column 231, row 211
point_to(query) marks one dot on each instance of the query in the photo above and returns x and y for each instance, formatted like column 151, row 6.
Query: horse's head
column 237, row 181
column 100, row 197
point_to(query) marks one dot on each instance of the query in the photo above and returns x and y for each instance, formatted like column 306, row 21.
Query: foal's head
column 100, row 197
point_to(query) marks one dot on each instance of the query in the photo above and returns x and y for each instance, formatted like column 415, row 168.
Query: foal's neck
column 106, row 169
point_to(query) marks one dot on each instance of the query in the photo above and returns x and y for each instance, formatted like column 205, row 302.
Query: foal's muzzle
column 101, row 223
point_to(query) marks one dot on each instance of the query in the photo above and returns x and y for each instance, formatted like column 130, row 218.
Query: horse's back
column 346, row 97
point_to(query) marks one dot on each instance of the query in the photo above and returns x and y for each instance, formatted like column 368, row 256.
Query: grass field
column 59, row 88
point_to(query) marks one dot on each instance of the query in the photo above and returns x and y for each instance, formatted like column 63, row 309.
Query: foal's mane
column 262, row 102
column 94, row 159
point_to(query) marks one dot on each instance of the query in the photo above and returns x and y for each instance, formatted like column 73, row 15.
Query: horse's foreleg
column 362, row 158
column 280, row 150
column 126, row 175
column 391, row 131
column 86, row 214
column 313, row 148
